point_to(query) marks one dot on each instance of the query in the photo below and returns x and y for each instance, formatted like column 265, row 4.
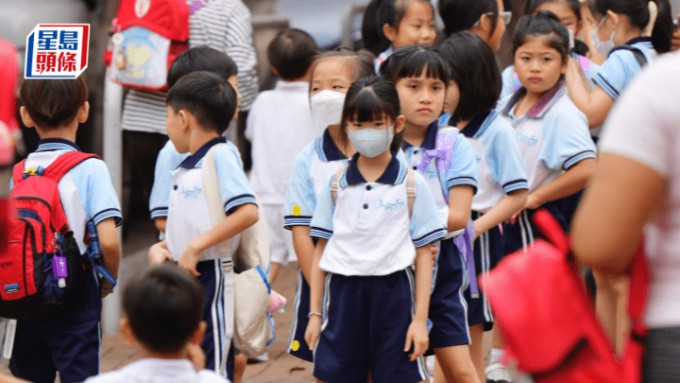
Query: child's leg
column 610, row 304
column 477, row 350
column 456, row 364
column 279, row 238
column 296, row 343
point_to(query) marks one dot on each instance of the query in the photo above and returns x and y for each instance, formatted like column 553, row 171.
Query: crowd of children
column 396, row 177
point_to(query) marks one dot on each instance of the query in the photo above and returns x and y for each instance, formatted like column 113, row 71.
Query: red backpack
column 41, row 263
column 548, row 321
column 148, row 35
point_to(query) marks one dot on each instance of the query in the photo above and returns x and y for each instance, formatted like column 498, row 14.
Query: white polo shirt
column 86, row 191
column 500, row 169
column 153, row 370
column 553, row 135
column 370, row 233
column 188, row 216
column 318, row 161
column 168, row 160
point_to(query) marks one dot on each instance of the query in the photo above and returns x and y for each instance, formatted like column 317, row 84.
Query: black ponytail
column 638, row 13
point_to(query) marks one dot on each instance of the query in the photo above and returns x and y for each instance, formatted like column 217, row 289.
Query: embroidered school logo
column 529, row 140
column 191, row 193
column 391, row 206
column 142, row 7
column 57, row 51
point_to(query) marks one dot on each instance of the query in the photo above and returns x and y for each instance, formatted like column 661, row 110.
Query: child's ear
column 199, row 334
column 275, row 71
column 389, row 32
column 126, row 332
column 184, row 118
column 485, row 25
column 399, row 124
column 83, row 112
column 26, row 118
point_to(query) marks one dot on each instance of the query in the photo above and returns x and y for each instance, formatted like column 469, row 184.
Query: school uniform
column 369, row 288
column 158, row 370
column 69, row 341
column 500, row 171
column 314, row 164
column 382, row 57
column 188, row 218
column 168, row 160
column 552, row 136
column 621, row 66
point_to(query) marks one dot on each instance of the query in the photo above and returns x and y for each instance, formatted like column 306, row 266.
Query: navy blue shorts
column 68, row 342
column 216, row 345
column 523, row 232
column 448, row 308
column 296, row 343
column 364, row 330
column 488, row 251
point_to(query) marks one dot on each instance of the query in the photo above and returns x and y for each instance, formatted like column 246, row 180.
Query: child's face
column 564, row 13
column 421, row 99
column 331, row 74
column 376, row 141
column 538, row 65
column 175, row 127
column 415, row 28
column 452, row 97
column 233, row 81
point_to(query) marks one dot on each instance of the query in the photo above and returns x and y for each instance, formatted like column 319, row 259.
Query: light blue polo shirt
column 552, row 136
column 621, row 66
column 86, row 190
column 370, row 233
column 168, row 160
column 318, row 161
column 188, row 216
column 500, row 169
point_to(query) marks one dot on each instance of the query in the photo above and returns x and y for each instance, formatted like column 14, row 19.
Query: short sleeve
column 566, row 137
column 99, row 199
column 508, row 77
column 235, row 190
column 505, row 159
column 300, row 199
column 616, row 72
column 463, row 165
column 322, row 221
column 425, row 225
column 168, row 160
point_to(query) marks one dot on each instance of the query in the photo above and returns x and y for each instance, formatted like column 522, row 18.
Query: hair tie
column 653, row 13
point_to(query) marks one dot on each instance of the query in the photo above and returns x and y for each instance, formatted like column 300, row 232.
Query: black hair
column 201, row 58
column 164, row 307
column 638, row 13
column 368, row 99
column 472, row 63
column 379, row 13
column 53, row 103
column 361, row 62
column 411, row 61
column 546, row 26
column 461, row 15
column 291, row 52
column 532, row 5
column 207, row 96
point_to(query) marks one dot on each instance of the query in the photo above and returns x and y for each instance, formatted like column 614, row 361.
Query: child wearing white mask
column 331, row 75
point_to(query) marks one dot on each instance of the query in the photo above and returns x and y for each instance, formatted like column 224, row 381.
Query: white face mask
column 571, row 39
column 327, row 107
column 602, row 47
column 371, row 142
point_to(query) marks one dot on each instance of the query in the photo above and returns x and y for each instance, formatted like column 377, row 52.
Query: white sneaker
column 497, row 373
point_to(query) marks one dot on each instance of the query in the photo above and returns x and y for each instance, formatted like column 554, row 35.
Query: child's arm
column 243, row 217
column 460, row 205
column 304, row 249
column 568, row 183
column 111, row 250
column 316, row 287
column 417, row 331
column 503, row 211
column 159, row 253
column 595, row 103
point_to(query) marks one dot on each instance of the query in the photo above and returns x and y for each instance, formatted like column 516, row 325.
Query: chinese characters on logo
column 57, row 50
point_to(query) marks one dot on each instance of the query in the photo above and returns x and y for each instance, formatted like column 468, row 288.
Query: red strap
column 639, row 288
column 18, row 172
column 66, row 162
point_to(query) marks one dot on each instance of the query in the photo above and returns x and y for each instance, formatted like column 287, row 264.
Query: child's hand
column 532, row 203
column 159, row 253
column 189, row 259
column 196, row 356
column 313, row 331
column 418, row 337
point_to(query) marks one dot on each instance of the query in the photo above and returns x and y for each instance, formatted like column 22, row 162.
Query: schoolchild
column 195, row 59
column 374, row 221
column 68, row 342
column 162, row 308
column 391, row 24
column 557, row 151
column 569, row 14
column 331, row 75
column 628, row 23
column 290, row 54
column 200, row 107
column 501, row 178
column 486, row 18
column 420, row 76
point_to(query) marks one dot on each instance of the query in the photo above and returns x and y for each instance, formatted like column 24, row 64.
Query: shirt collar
column 391, row 176
column 49, row 144
column 191, row 161
column 639, row 39
column 327, row 149
column 541, row 106
column 478, row 124
column 292, row 85
column 430, row 140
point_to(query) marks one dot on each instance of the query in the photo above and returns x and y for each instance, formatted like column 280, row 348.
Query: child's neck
column 526, row 102
column 66, row 132
column 345, row 147
column 199, row 137
column 415, row 134
column 373, row 168
column 149, row 354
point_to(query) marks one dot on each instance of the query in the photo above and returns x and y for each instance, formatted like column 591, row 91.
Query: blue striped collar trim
column 326, row 148
column 478, row 125
column 430, row 140
column 639, row 39
column 49, row 144
column 541, row 106
column 191, row 161
column 393, row 175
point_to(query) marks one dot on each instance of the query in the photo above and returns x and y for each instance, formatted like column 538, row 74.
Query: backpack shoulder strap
column 446, row 142
column 211, row 189
column 410, row 190
column 18, row 172
column 639, row 56
column 335, row 183
column 66, row 162
column 639, row 285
